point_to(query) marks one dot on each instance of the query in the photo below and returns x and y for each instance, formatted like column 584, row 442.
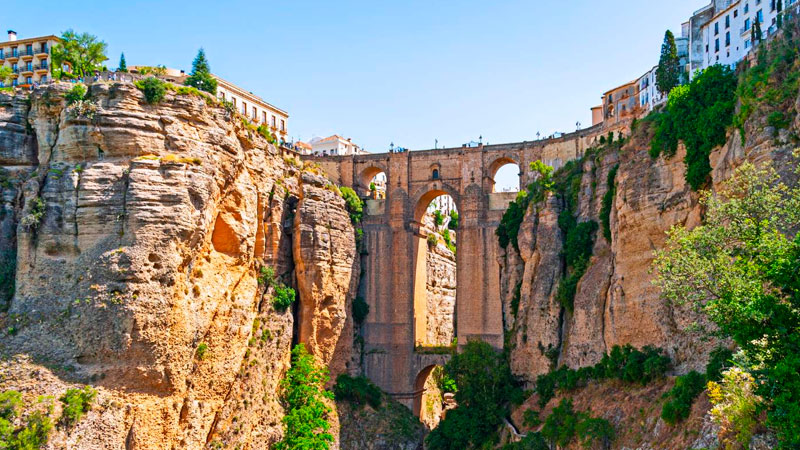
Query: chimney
column 12, row 35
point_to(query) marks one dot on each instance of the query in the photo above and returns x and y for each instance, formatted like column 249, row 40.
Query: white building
column 726, row 36
column 334, row 146
column 649, row 95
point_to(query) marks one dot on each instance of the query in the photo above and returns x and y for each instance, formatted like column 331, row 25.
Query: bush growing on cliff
column 154, row 89
column 77, row 93
column 360, row 310
column 283, row 297
column 742, row 268
column 353, row 204
column 698, row 114
column 485, row 389
column 565, row 424
column 359, row 391
column 508, row 229
column 76, row 403
column 35, row 214
column 736, row 407
column 36, row 428
column 681, row 396
column 303, row 396
column 453, row 224
column 608, row 199
column 622, row 363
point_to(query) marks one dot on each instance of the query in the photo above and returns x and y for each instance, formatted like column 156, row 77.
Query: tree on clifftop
column 123, row 66
column 201, row 77
column 82, row 52
column 668, row 73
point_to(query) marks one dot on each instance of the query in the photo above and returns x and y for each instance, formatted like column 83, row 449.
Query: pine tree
column 201, row 77
column 668, row 73
column 123, row 67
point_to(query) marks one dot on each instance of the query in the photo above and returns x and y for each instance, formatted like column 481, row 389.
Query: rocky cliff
column 132, row 237
column 615, row 301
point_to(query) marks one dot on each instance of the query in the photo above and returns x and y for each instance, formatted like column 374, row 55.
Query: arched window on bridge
column 435, row 174
column 373, row 183
column 505, row 175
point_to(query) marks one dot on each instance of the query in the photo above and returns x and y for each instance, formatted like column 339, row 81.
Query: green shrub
column 359, row 390
column 303, row 396
column 530, row 418
column 154, row 89
column 10, row 404
column 508, row 230
column 76, row 403
column 34, row 432
column 35, row 215
column 438, row 218
column 443, row 381
column 592, row 431
column 353, row 203
column 264, row 131
column 485, row 388
column 266, row 276
column 77, row 93
column 202, row 351
column 778, row 120
column 736, row 408
column 432, row 239
column 698, row 114
column 608, row 199
column 283, row 298
column 720, row 359
column 453, row 224
column 360, row 310
column 681, row 396
column 560, row 426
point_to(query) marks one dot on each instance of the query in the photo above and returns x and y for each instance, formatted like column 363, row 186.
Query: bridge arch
column 505, row 164
column 368, row 174
column 424, row 195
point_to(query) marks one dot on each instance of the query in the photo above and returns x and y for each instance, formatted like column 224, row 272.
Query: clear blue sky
column 406, row 72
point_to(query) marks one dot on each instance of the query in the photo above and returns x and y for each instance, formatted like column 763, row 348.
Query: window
column 716, row 28
column 747, row 24
column 760, row 16
column 29, row 49
column 772, row 5
column 283, row 125
column 746, row 8
column 747, row 43
column 716, row 45
column 222, row 95
column 244, row 108
column 14, row 82
column 2, row 56
column 255, row 113
column 43, row 79
column 264, row 117
column 233, row 99
column 728, row 39
column 435, row 174
column 727, row 22
column 44, row 47
column 28, row 80
column 735, row 13
column 15, row 68
column 43, row 63
column 14, row 52
column 273, row 122
column 29, row 66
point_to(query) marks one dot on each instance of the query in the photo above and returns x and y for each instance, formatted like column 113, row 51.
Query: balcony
column 26, row 71
column 41, row 68
column 27, row 55
column 745, row 30
column 43, row 51
column 12, row 57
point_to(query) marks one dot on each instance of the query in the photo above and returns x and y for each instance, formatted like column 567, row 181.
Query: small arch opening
column 505, row 175
column 373, row 183
column 435, row 174
column 432, row 399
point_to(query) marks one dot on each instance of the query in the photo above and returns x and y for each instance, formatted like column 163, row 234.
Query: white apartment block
column 649, row 95
column 29, row 59
column 334, row 146
column 726, row 29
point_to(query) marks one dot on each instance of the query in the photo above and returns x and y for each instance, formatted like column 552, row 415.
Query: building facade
column 620, row 104
column 335, row 146
column 29, row 59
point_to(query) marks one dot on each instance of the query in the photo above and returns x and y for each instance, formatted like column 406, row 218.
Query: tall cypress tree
column 123, row 67
column 668, row 73
column 201, row 77
column 756, row 31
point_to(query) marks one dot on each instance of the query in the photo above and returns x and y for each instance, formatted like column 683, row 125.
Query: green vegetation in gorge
column 353, row 203
column 76, row 94
column 304, row 399
column 698, row 114
column 508, row 229
column 608, row 200
column 485, row 387
column 742, row 268
column 623, row 363
column 564, row 424
column 76, row 403
column 359, row 391
column 283, row 296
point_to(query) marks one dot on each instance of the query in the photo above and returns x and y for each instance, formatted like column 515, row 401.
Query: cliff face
column 137, row 233
column 441, row 295
column 616, row 302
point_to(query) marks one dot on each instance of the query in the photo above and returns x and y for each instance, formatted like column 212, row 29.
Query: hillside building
column 335, row 146
column 29, row 59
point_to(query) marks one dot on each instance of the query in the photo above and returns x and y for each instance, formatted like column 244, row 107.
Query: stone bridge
column 395, row 357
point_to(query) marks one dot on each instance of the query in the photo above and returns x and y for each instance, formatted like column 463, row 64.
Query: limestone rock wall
column 136, row 235
column 441, row 295
column 615, row 303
